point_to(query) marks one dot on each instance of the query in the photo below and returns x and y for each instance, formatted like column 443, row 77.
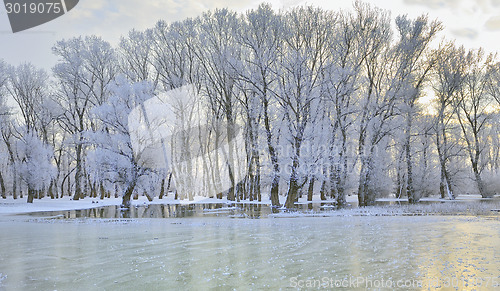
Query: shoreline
column 463, row 205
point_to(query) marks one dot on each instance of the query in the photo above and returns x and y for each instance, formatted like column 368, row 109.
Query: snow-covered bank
column 466, row 204
column 450, row 207
column 467, row 197
column 18, row 206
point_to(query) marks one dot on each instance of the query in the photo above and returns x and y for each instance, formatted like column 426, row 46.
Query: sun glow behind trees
column 330, row 103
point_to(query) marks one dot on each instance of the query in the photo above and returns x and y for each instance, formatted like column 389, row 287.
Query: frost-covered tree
column 447, row 83
column 84, row 72
column 329, row 103
column 29, row 88
column 424, row 159
column 302, row 60
column 4, row 114
column 174, row 53
column 217, row 34
column 136, row 56
column 342, row 82
column 260, row 38
column 415, row 63
column 174, row 59
column 494, row 81
column 114, row 154
column 34, row 163
column 473, row 105
column 378, row 98
column 8, row 139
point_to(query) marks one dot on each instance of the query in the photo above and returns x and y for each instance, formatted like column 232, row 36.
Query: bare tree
column 341, row 84
column 28, row 87
column 4, row 114
column 494, row 81
column 114, row 153
column 378, row 100
column 472, row 105
column 302, row 61
column 136, row 56
column 448, row 80
column 260, row 37
column 415, row 65
column 85, row 70
column 218, row 34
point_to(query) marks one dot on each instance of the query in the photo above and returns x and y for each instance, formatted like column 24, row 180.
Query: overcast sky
column 472, row 23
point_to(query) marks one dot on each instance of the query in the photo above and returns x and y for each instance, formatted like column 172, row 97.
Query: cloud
column 435, row 4
column 465, row 33
column 493, row 24
column 110, row 19
column 465, row 7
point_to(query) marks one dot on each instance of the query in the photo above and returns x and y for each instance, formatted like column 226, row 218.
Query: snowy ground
column 18, row 206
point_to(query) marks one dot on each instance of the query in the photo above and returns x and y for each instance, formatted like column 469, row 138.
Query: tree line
column 330, row 102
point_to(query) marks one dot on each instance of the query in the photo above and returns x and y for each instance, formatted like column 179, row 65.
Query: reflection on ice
column 179, row 211
column 249, row 210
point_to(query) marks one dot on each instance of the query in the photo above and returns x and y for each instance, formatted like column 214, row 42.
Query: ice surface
column 223, row 253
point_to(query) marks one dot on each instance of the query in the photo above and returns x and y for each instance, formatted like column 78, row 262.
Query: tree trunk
column 102, row 190
column 323, row 190
column 14, row 171
column 78, row 173
column 333, row 180
column 292, row 193
column 399, row 183
column 310, row 190
column 256, row 179
column 479, row 181
column 275, row 199
column 169, row 184
column 254, row 173
column 128, row 194
column 93, row 189
column 162, row 189
column 231, row 195
column 50, row 191
column 413, row 197
column 342, row 182
column 149, row 197
column 14, row 183
column 31, row 195
column 444, row 183
column 69, row 186
column 341, row 192
column 366, row 195
column 2, row 186
column 293, row 188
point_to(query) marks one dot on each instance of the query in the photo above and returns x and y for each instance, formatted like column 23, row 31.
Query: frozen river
column 459, row 252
